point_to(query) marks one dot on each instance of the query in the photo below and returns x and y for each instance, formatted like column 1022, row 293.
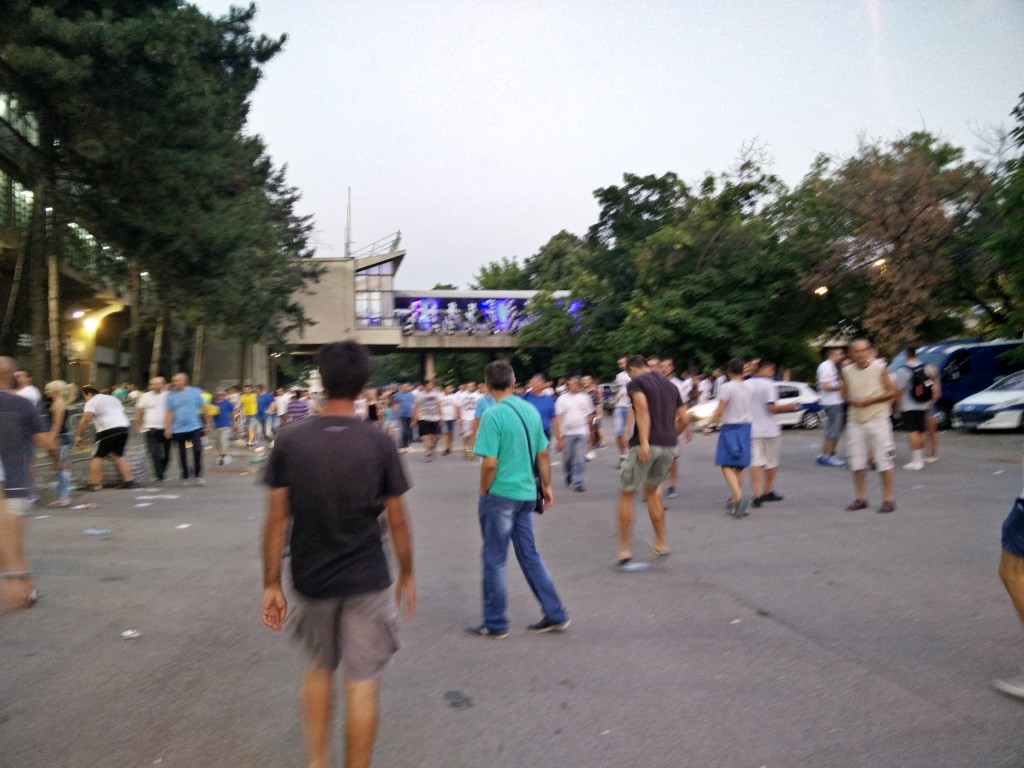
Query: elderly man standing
column 869, row 391
column 20, row 430
column 574, row 410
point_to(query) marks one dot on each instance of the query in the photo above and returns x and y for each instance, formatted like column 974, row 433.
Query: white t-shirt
column 621, row 395
column 704, row 391
column 449, row 407
column 154, row 409
column 281, row 403
column 107, row 412
column 737, row 411
column 30, row 393
column 829, row 374
column 764, row 392
column 361, row 408
column 467, row 405
column 428, row 405
column 685, row 387
column 573, row 412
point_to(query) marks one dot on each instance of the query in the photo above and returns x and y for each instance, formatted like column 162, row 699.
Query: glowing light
column 821, row 290
column 78, row 313
column 91, row 324
column 878, row 263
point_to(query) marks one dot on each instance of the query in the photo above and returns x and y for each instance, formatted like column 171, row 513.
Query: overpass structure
column 356, row 299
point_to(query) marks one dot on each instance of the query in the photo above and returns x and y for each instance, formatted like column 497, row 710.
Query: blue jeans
column 574, row 458
column 502, row 519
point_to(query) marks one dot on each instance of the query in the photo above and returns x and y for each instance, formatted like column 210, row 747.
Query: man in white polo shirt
column 150, row 418
column 111, row 436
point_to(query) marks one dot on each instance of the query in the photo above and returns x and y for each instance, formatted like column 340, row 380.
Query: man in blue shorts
column 332, row 477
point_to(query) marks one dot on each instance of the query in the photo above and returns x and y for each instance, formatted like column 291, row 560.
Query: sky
column 481, row 129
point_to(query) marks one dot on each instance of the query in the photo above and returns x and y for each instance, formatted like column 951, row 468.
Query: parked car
column 807, row 416
column 1001, row 406
column 608, row 396
column 966, row 367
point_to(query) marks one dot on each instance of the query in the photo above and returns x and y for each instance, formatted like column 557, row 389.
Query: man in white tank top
column 869, row 392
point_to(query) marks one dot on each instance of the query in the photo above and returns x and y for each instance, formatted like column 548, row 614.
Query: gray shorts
column 358, row 632
column 834, row 417
column 650, row 474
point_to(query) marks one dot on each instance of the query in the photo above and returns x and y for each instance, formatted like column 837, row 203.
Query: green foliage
column 504, row 275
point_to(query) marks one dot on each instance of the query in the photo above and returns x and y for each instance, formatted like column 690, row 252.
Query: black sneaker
column 546, row 625
column 771, row 496
column 483, row 631
column 758, row 499
column 129, row 484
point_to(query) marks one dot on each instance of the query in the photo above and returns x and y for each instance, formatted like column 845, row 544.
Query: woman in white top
column 733, row 451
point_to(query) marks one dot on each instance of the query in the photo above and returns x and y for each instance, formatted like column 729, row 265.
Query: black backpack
column 920, row 384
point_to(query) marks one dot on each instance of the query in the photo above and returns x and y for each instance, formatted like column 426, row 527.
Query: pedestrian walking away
column 919, row 390
column 511, row 443
column 732, row 453
column 332, row 477
column 661, row 416
column 831, row 397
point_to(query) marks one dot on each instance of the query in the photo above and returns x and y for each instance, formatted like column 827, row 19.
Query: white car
column 1001, row 406
column 807, row 416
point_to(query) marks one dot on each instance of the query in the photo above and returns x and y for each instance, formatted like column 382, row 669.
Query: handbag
column 539, row 502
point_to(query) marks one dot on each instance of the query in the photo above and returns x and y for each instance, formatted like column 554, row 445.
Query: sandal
column 10, row 600
column 887, row 506
column 857, row 505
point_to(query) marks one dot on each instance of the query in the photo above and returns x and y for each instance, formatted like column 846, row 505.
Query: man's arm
column 83, row 424
column 544, row 467
column 168, row 422
column 401, row 542
column 275, row 606
column 643, row 425
column 683, row 422
column 138, row 417
column 488, row 469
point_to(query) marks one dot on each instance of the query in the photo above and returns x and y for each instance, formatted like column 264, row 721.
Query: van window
column 785, row 390
column 958, row 366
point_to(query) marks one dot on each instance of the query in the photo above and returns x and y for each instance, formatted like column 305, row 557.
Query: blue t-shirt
column 485, row 402
column 262, row 403
column 406, row 401
column 186, row 406
column 545, row 405
column 225, row 416
column 503, row 434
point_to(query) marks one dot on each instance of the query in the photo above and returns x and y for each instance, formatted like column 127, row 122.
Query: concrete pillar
column 427, row 366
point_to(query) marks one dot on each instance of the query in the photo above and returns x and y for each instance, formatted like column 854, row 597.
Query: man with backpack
column 916, row 382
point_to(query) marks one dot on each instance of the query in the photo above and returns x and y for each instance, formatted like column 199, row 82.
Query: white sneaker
column 200, row 481
column 1012, row 686
column 931, row 459
column 590, row 456
column 914, row 465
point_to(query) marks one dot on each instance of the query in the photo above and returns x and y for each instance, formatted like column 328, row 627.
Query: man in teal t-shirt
column 509, row 430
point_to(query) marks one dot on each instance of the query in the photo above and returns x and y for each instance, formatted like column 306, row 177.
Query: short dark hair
column 344, row 369
column 764, row 363
column 636, row 361
column 736, row 365
column 499, row 375
column 88, row 389
column 911, row 351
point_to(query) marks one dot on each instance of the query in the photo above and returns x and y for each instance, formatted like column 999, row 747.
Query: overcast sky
column 480, row 129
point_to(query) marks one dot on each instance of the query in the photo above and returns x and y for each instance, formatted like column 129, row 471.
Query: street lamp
column 821, row 290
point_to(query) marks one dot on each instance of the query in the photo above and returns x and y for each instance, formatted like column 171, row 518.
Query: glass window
column 958, row 366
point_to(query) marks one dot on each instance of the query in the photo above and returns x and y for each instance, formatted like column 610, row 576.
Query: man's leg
column 179, row 439
column 317, row 697
column 95, row 471
column 153, row 438
column 860, row 484
column 1011, row 573
column 495, row 515
column 122, row 468
column 625, row 524
column 536, row 573
column 756, row 477
column 360, row 722
column 732, row 479
column 15, row 593
column 656, row 510
column 197, row 452
column 769, row 479
column 887, row 485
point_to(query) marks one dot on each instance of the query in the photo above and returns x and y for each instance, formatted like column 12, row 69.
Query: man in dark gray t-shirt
column 333, row 476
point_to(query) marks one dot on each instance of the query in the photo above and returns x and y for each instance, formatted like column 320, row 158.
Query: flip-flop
column 659, row 552
column 623, row 560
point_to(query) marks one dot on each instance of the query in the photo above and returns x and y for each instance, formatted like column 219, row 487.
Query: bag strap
column 529, row 445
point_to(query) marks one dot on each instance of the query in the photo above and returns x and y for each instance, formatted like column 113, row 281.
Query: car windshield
column 1013, row 381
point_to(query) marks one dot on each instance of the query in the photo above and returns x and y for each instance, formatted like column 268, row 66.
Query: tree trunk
column 135, row 327
column 53, row 248
column 158, row 343
column 197, row 364
column 37, row 284
column 241, row 362
column 7, row 341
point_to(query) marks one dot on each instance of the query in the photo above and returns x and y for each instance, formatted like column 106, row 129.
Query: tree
column 503, row 275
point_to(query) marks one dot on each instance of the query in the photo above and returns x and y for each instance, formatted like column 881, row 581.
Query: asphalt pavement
column 803, row 635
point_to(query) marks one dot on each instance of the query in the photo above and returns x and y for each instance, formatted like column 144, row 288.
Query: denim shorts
column 1013, row 530
column 834, row 417
column 359, row 632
